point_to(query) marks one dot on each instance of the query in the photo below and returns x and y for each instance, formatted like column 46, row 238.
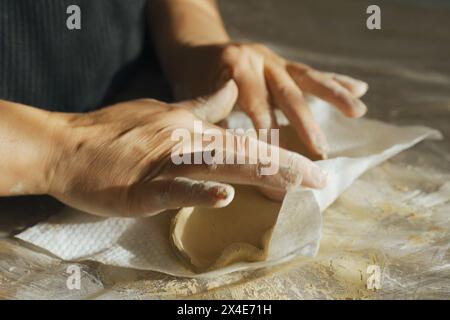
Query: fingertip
column 229, row 91
column 358, row 109
column 223, row 195
column 356, row 87
column 219, row 195
column 360, row 88
column 320, row 145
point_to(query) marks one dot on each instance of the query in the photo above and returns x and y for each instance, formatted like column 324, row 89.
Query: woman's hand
column 198, row 56
column 265, row 81
column 117, row 161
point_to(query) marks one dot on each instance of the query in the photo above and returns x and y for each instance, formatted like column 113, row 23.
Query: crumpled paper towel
column 356, row 146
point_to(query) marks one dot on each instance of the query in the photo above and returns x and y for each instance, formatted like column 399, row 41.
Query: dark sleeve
column 46, row 65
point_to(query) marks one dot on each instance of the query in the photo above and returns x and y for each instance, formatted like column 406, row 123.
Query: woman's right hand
column 116, row 161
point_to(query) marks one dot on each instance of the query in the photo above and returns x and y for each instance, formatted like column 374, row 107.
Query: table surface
column 396, row 216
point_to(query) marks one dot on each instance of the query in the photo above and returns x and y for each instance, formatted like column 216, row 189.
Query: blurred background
column 379, row 220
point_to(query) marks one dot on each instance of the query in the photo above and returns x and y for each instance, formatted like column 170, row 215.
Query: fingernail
column 219, row 193
column 222, row 195
column 319, row 177
column 362, row 88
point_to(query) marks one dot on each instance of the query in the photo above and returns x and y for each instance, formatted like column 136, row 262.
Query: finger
column 326, row 88
column 154, row 196
column 356, row 87
column 261, row 164
column 273, row 194
column 290, row 99
column 253, row 94
column 215, row 107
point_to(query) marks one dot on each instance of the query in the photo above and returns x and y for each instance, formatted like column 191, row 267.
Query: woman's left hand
column 265, row 81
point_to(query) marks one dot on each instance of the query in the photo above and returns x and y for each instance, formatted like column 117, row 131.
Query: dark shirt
column 46, row 65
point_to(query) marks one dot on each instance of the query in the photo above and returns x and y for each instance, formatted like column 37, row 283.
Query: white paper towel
column 356, row 146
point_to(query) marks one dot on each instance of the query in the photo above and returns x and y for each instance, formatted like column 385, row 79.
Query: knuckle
column 300, row 71
column 293, row 172
column 269, row 54
column 237, row 55
column 232, row 52
column 288, row 93
column 283, row 90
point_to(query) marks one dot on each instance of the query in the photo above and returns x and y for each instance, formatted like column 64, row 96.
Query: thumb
column 152, row 197
column 215, row 107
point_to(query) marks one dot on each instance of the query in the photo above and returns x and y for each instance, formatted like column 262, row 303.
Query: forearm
column 176, row 24
column 27, row 149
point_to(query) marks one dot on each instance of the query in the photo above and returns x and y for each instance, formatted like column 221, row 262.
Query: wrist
column 179, row 27
column 60, row 141
column 28, row 149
